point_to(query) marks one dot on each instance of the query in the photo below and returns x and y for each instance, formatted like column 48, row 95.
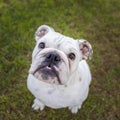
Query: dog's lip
column 51, row 68
column 42, row 67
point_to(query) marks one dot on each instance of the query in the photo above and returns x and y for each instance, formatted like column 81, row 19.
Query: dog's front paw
column 38, row 105
column 74, row 109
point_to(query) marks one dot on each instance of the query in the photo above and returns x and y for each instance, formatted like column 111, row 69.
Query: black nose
column 53, row 58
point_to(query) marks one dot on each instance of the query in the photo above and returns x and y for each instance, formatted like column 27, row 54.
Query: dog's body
column 59, row 77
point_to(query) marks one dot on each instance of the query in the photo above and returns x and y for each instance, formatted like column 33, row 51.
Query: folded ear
column 85, row 49
column 42, row 31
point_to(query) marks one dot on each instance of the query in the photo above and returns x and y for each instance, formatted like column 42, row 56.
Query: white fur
column 74, row 90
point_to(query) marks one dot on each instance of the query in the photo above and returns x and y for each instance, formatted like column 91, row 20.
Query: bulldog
column 59, row 75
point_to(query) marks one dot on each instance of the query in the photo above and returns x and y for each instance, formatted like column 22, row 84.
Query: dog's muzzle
column 47, row 68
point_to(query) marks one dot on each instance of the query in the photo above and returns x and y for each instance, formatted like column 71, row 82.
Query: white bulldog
column 59, row 76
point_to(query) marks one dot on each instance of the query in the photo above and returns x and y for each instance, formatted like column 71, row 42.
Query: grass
column 98, row 21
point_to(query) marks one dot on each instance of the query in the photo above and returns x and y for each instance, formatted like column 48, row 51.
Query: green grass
column 98, row 21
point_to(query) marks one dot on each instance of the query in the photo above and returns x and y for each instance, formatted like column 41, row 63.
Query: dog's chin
column 48, row 75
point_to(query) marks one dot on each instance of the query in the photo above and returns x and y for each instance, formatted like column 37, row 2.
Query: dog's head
column 56, row 57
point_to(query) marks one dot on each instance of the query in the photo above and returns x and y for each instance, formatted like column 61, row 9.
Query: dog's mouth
column 48, row 74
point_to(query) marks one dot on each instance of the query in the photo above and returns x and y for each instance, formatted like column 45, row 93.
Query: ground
column 97, row 21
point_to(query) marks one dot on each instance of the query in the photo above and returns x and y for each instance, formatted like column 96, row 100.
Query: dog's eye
column 71, row 56
column 42, row 45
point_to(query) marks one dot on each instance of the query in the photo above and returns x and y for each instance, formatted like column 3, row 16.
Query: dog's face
column 56, row 57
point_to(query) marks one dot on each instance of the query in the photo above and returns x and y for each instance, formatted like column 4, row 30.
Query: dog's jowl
column 59, row 75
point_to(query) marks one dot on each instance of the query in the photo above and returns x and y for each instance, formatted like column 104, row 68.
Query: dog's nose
column 53, row 58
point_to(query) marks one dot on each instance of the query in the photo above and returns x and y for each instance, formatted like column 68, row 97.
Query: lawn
column 97, row 21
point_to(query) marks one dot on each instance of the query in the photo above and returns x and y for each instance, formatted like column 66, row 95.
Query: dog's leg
column 38, row 105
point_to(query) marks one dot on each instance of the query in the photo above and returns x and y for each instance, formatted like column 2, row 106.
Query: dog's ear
column 85, row 49
column 42, row 31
